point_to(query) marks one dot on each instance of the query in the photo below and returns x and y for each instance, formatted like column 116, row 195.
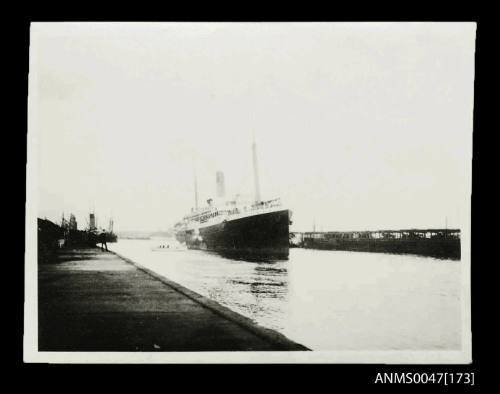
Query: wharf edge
column 91, row 300
column 265, row 333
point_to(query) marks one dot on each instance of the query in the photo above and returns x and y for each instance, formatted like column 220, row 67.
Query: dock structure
column 443, row 243
column 90, row 300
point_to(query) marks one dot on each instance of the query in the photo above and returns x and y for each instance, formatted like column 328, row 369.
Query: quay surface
column 89, row 300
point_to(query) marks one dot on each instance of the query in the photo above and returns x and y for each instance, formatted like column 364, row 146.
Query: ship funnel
column 221, row 187
column 93, row 224
column 255, row 172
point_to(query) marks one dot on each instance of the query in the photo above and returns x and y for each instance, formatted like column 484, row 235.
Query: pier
column 441, row 243
column 89, row 300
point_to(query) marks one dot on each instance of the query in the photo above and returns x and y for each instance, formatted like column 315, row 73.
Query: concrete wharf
column 89, row 300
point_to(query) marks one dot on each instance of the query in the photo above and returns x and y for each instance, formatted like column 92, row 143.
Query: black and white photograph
column 249, row 192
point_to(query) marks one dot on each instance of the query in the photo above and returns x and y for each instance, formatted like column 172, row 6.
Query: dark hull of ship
column 263, row 235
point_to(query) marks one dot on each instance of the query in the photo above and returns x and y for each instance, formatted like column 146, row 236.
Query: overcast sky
column 358, row 126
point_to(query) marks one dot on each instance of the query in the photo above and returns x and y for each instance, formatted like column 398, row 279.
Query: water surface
column 325, row 300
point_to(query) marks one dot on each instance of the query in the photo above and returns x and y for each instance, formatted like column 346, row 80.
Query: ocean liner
column 258, row 228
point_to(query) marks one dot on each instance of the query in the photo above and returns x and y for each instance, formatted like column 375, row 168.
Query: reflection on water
column 325, row 300
column 253, row 257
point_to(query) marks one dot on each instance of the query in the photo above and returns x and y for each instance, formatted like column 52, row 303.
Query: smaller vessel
column 110, row 235
column 93, row 230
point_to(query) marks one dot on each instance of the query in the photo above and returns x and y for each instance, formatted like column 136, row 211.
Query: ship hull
column 262, row 235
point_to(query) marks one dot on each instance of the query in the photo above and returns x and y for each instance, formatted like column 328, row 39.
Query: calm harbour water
column 325, row 300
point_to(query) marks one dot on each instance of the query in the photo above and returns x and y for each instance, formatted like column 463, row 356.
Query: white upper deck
column 231, row 210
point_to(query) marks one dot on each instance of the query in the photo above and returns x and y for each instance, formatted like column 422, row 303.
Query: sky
column 359, row 126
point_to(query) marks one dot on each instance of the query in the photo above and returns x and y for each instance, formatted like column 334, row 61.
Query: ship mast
column 255, row 172
column 195, row 191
